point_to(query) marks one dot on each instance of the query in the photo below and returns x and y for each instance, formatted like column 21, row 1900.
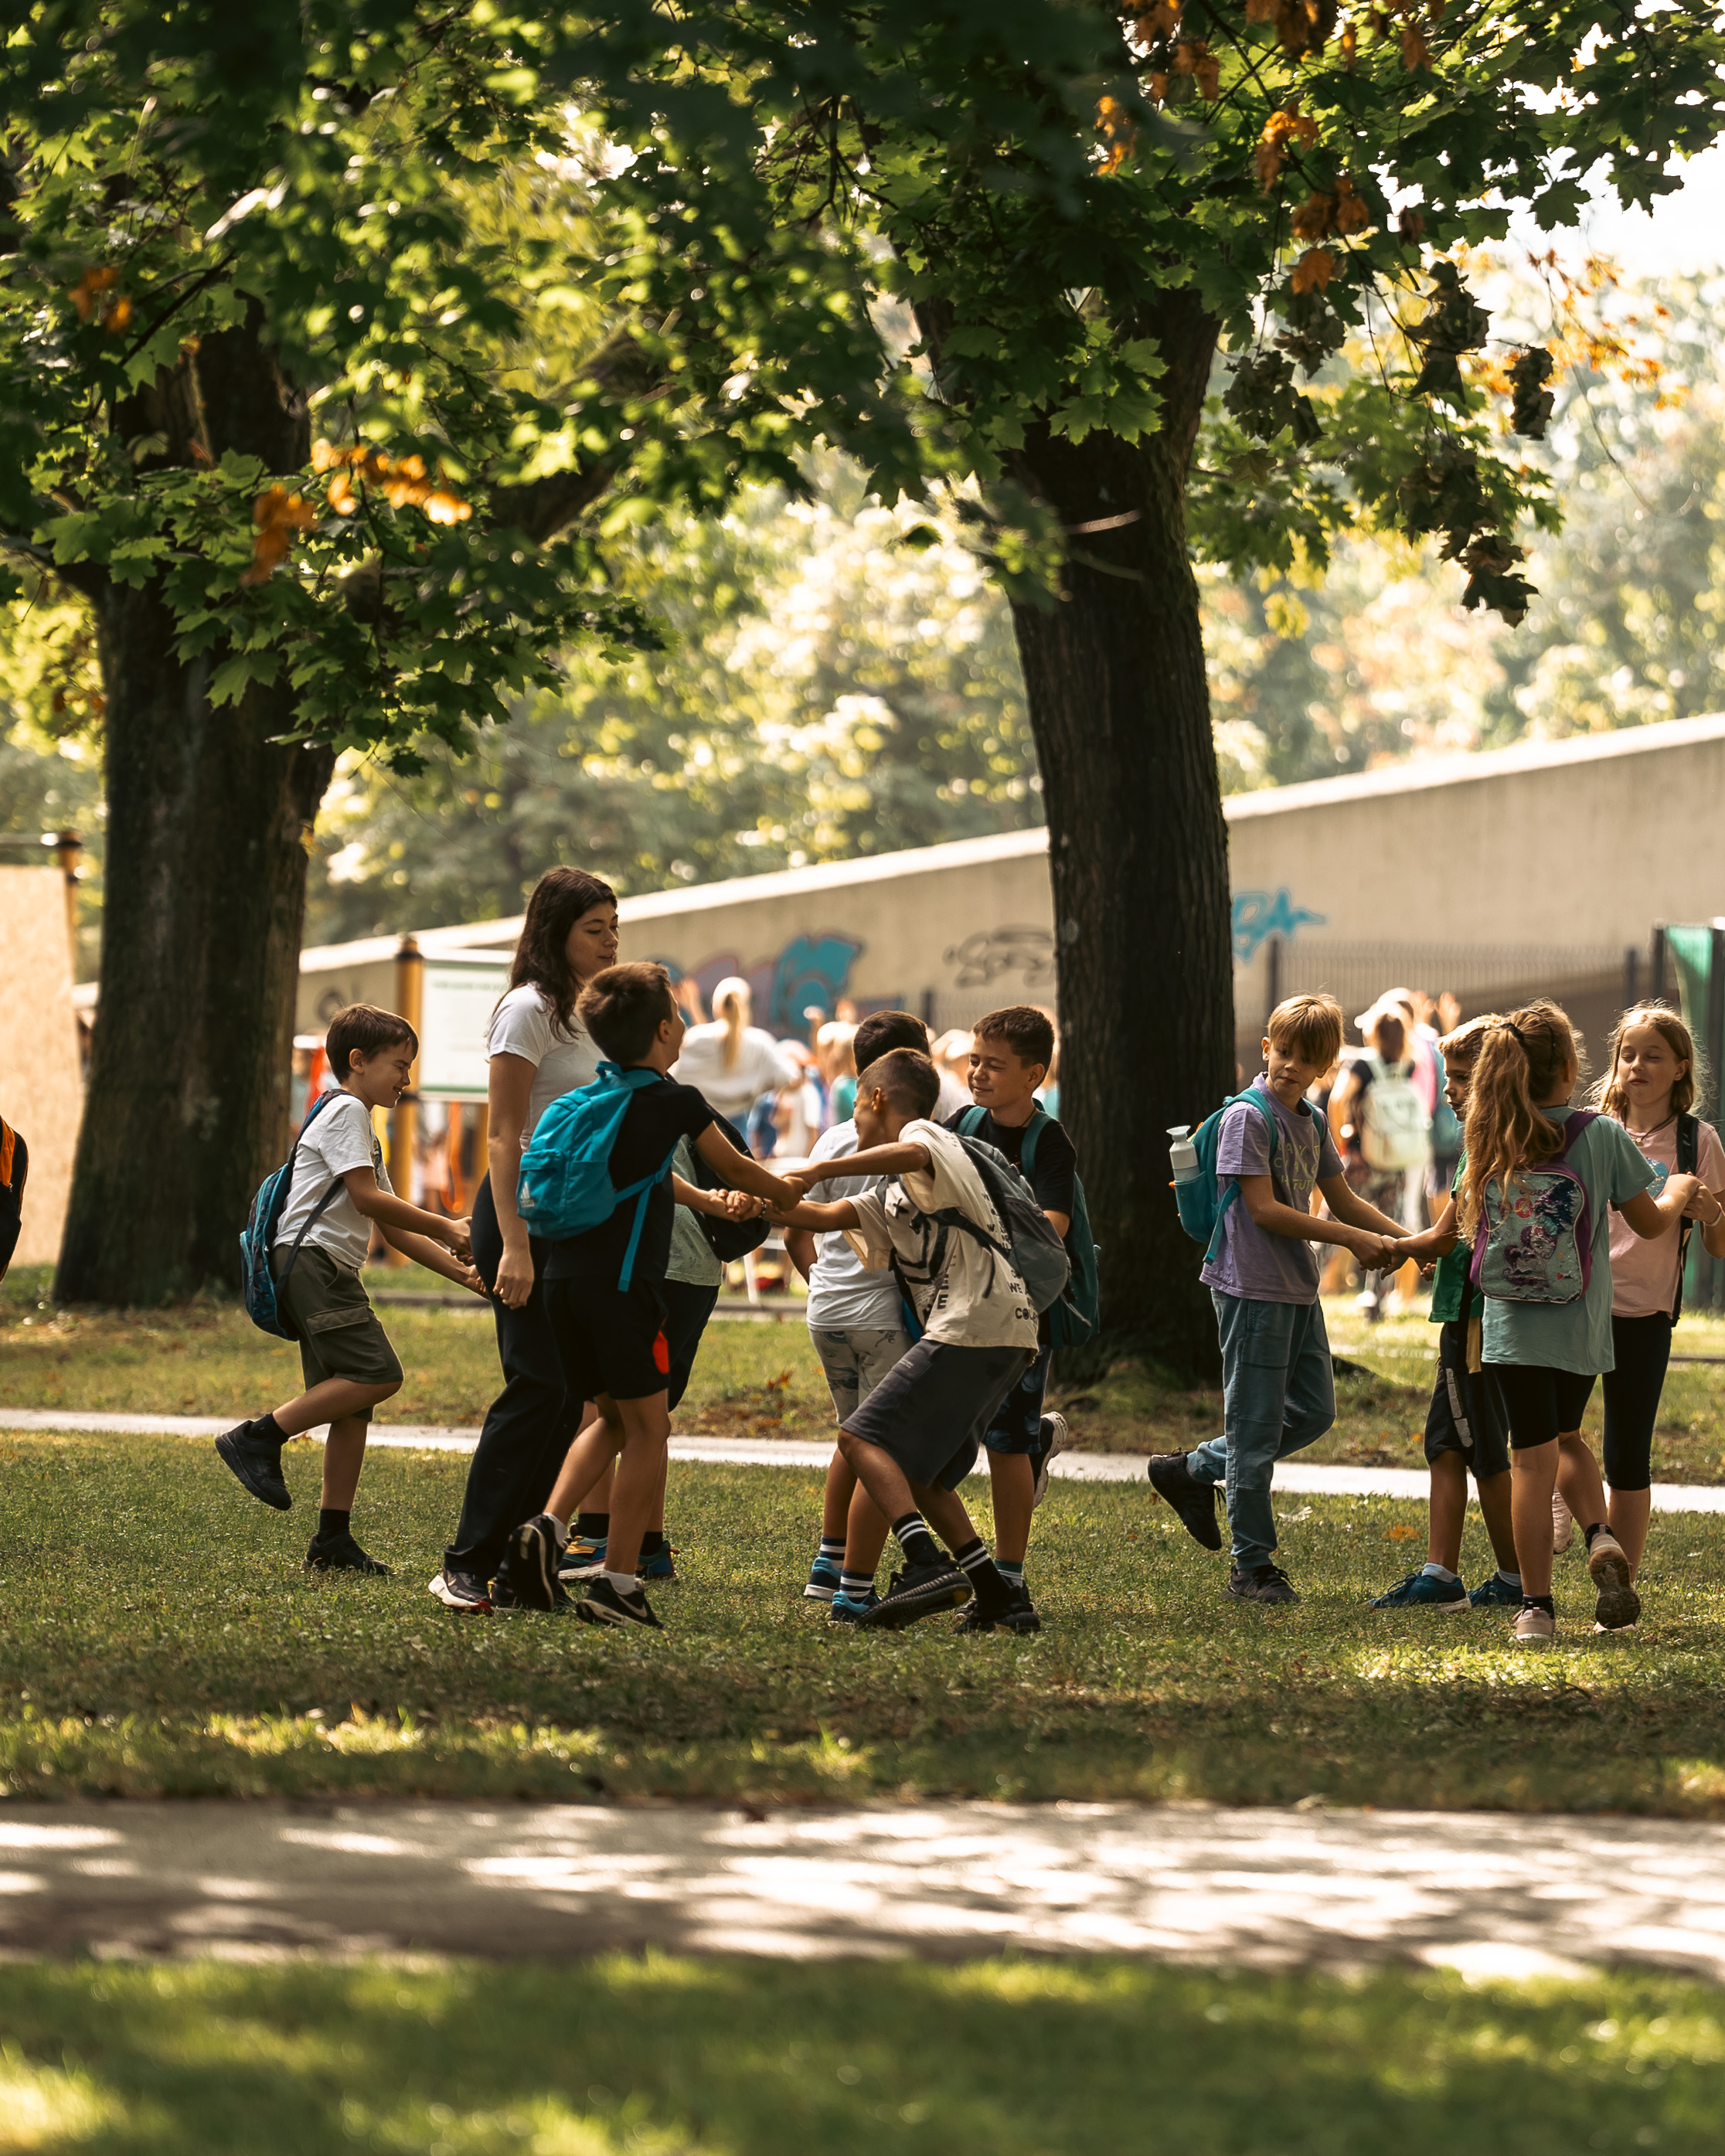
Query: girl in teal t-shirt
column 1545, row 1355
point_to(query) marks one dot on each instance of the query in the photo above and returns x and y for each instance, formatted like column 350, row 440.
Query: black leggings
column 1643, row 1348
column 1541, row 1403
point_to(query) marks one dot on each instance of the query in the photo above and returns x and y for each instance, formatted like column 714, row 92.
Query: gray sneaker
column 1261, row 1582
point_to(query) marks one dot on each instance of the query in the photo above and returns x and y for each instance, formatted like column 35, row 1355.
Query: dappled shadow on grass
column 756, row 2058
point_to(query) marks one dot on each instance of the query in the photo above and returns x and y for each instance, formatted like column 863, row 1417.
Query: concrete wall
column 41, row 1080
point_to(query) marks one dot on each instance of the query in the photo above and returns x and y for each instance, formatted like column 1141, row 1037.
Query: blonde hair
column 731, row 1001
column 1524, row 1053
column 1612, row 1099
column 1310, row 1025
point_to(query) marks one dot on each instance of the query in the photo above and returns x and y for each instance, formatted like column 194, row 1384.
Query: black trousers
column 528, row 1427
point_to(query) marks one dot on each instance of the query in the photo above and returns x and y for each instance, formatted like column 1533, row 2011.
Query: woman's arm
column 1341, row 1095
column 509, row 1084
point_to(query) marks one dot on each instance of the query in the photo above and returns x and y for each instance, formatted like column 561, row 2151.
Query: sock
column 625, row 1583
column 1539, row 1602
column 595, row 1527
column 1597, row 1528
column 652, row 1544
column 1510, row 1578
column 992, row 1595
column 1439, row 1572
column 330, row 1521
column 914, row 1539
column 1012, row 1574
column 267, row 1426
column 855, row 1585
column 832, row 1552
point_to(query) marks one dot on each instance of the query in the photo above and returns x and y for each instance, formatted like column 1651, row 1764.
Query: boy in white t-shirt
column 913, row 1441
column 339, row 1187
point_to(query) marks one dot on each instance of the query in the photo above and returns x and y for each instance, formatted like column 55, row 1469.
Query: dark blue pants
column 528, row 1427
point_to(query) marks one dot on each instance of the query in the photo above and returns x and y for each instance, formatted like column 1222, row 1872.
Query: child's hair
column 731, row 999
column 364, row 1027
column 1025, row 1030
column 908, row 1080
column 1611, row 1097
column 882, row 1031
column 1463, row 1045
column 1311, row 1026
column 1524, row 1053
column 623, row 1007
column 542, row 956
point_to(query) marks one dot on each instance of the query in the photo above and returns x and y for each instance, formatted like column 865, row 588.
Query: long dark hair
column 560, row 898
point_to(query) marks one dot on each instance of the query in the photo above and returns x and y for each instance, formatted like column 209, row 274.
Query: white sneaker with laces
column 1059, row 1438
column 1534, row 1628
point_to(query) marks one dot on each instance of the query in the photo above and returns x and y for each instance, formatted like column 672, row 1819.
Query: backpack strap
column 642, row 1192
column 1260, row 1101
column 1688, row 1160
column 971, row 1121
column 1027, row 1152
column 317, row 1213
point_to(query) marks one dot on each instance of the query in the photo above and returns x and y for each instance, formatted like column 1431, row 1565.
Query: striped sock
column 1012, row 1574
column 914, row 1539
column 831, row 1551
column 991, row 1591
column 855, row 1585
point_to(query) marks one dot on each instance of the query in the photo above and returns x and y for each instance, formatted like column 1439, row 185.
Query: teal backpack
column 1076, row 1312
column 565, row 1187
column 1202, row 1201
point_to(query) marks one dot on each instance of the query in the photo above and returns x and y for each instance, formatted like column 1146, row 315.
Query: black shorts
column 1643, row 1348
column 1466, row 1413
column 928, row 1413
column 609, row 1343
column 1541, row 1403
column 687, row 1308
column 1016, row 1425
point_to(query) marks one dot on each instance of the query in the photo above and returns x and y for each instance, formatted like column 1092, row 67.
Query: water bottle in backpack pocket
column 1198, row 1187
column 565, row 1188
column 1534, row 1242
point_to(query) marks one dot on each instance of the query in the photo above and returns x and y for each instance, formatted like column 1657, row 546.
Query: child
column 339, row 1188
column 1650, row 1091
column 913, row 1441
column 1544, row 1339
column 1279, row 1392
column 857, row 1324
column 1010, row 1055
column 1465, row 1427
column 611, row 1338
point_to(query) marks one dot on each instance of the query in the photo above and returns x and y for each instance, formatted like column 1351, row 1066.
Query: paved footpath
column 1075, row 1466
column 1262, row 1888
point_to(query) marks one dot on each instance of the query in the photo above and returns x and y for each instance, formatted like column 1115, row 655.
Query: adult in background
column 1382, row 1128
column 729, row 1062
column 537, row 1053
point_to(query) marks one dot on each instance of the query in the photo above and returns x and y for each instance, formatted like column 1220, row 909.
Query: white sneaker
column 1616, row 1603
column 1534, row 1628
column 1562, row 1525
column 1057, row 1443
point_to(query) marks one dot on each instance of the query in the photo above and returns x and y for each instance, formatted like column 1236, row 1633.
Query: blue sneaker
column 1419, row 1590
column 823, row 1581
column 849, row 1609
column 660, row 1566
column 1494, row 1592
column 583, row 1558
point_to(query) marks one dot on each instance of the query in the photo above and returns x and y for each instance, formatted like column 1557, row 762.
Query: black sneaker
column 1261, row 1582
column 601, row 1604
column 341, row 1553
column 531, row 1565
column 256, row 1460
column 1194, row 1501
column 460, row 1591
column 1021, row 1617
column 920, row 1590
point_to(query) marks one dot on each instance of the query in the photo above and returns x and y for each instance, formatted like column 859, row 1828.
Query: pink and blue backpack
column 1535, row 1244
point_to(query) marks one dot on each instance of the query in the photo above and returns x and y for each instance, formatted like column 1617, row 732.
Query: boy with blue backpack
column 310, row 1233
column 596, row 1184
column 1245, row 1188
column 1012, row 1051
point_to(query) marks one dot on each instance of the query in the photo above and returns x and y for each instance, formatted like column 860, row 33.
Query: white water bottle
column 1183, row 1154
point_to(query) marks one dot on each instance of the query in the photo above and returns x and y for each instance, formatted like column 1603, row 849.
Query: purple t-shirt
column 1256, row 1266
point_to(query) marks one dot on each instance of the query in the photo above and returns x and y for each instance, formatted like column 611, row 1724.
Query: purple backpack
column 1536, row 1245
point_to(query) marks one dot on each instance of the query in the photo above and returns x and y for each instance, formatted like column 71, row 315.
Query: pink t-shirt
column 1644, row 1275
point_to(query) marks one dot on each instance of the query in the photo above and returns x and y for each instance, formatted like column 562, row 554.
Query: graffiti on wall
column 1258, row 915
column 992, row 953
column 811, row 973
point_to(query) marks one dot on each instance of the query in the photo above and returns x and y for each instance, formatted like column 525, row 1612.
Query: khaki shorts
column 340, row 1335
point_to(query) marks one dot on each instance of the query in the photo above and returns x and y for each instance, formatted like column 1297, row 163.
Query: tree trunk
column 1119, row 704
column 187, row 1106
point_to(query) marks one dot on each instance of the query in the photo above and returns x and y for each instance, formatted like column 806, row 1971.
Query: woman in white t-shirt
column 731, row 1063
column 538, row 1053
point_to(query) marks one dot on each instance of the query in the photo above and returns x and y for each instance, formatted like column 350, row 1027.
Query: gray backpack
column 1032, row 1249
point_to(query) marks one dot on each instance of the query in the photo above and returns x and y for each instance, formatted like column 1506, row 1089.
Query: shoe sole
column 1261, row 1601
column 1616, row 1603
column 1201, row 1526
column 238, row 1469
column 528, row 1563
column 582, row 1572
column 813, row 1594
column 371, row 1570
column 1537, row 1640
column 1464, row 1607
column 437, row 1591
column 592, row 1613
column 1038, row 1488
column 891, row 1616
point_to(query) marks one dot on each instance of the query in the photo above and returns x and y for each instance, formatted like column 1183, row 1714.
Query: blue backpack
column 1076, row 1313
column 1202, row 1201
column 257, row 1278
column 565, row 1187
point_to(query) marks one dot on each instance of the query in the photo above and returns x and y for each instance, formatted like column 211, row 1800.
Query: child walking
column 339, row 1187
column 1540, row 1179
column 1279, row 1394
column 1465, row 1426
column 914, row 1439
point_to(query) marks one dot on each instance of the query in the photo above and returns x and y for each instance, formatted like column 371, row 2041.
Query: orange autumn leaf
column 278, row 515
column 1410, row 228
column 1315, row 216
column 1352, row 214
column 1280, row 130
column 1350, row 47
column 1192, row 56
column 1158, row 90
column 93, row 296
column 1155, row 18
column 1261, row 11
column 1401, row 1532
column 1313, row 271
column 1415, row 52
column 404, row 482
column 1114, row 124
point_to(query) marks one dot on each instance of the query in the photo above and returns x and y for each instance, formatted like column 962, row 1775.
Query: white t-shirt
column 525, row 1025
column 762, row 1066
column 841, row 1292
column 341, row 1137
column 974, row 1299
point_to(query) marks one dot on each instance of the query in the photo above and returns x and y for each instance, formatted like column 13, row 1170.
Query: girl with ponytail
column 731, row 1062
column 1536, row 1199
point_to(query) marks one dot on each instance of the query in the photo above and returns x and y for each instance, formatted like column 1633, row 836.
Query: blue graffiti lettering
column 1258, row 916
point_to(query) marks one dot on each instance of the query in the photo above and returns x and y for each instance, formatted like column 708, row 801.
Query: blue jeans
column 1279, row 1395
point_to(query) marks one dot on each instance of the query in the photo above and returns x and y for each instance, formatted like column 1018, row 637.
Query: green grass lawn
column 659, row 2057
column 157, row 1635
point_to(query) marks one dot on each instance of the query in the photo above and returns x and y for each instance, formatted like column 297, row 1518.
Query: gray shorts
column 930, row 1410
column 339, row 1336
column 855, row 1358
